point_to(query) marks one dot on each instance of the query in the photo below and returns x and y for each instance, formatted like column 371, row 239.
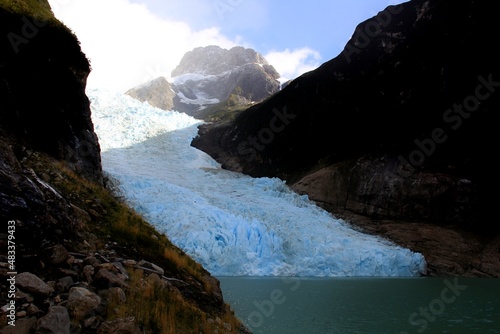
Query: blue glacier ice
column 234, row 225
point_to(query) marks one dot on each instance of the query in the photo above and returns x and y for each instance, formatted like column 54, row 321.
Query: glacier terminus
column 233, row 224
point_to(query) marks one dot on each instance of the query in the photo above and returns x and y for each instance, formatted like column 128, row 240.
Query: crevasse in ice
column 234, row 225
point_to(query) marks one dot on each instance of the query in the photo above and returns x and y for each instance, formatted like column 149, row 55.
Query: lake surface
column 365, row 305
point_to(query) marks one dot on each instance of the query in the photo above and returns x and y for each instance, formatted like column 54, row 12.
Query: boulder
column 30, row 283
column 57, row 321
column 82, row 302
column 59, row 255
column 23, row 326
column 114, row 295
column 151, row 266
column 65, row 283
column 106, row 278
column 121, row 326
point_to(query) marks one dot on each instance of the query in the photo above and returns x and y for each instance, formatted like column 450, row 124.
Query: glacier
column 233, row 224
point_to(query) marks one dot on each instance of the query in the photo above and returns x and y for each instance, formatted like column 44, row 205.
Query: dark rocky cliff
column 78, row 259
column 42, row 92
column 399, row 126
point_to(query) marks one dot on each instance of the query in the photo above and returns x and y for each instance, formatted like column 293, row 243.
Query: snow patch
column 202, row 99
column 182, row 79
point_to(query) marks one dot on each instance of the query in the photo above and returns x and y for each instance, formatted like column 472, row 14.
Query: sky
column 130, row 42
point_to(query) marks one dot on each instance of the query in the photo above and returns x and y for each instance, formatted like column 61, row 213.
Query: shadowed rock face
column 392, row 92
column 43, row 104
column 209, row 75
column 401, row 125
column 43, row 109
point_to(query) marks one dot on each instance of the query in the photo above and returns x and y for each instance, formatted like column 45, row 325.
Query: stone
column 32, row 309
column 105, row 279
column 130, row 263
column 122, row 326
column 30, row 283
column 92, row 323
column 5, row 308
column 57, row 321
column 21, row 296
column 154, row 280
column 23, row 326
column 115, row 296
column 59, row 255
column 152, row 266
column 69, row 272
column 88, row 273
column 65, row 283
column 91, row 260
column 121, row 269
column 82, row 302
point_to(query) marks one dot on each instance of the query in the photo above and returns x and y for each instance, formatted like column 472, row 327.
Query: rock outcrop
column 399, row 126
column 43, row 105
column 211, row 75
column 158, row 93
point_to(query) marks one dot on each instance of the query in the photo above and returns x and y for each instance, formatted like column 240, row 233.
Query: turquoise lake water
column 365, row 305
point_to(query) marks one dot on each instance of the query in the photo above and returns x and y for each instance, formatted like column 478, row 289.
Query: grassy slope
column 38, row 9
column 114, row 222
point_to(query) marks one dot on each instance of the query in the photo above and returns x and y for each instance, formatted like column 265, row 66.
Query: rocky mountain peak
column 214, row 60
column 212, row 77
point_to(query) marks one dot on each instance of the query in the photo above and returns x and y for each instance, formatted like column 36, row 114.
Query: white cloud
column 127, row 44
column 293, row 63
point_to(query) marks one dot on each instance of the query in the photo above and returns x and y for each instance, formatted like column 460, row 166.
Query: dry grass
column 160, row 309
column 38, row 9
